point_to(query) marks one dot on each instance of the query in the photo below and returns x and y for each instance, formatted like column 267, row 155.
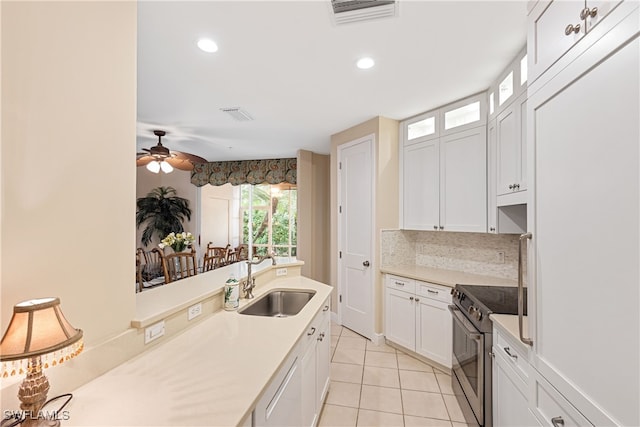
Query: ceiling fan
column 160, row 157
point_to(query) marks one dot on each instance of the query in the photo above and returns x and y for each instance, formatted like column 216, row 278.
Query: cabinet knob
column 442, row 227
column 510, row 186
column 516, row 186
column 571, row 29
column 410, row 298
column 492, row 229
column 557, row 421
column 417, row 299
column 586, row 12
column 435, row 227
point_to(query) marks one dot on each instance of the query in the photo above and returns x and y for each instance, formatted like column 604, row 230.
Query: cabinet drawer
column 436, row 292
column 401, row 284
column 549, row 405
column 513, row 353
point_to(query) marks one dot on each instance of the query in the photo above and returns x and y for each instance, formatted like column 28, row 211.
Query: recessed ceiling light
column 207, row 45
column 365, row 63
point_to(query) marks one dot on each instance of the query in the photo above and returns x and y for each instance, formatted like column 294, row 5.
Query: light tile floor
column 381, row 386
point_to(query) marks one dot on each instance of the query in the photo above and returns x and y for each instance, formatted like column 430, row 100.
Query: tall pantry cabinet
column 583, row 137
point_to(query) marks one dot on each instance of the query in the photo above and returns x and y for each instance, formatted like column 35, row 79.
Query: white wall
column 67, row 160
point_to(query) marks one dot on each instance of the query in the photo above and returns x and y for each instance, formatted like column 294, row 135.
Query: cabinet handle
column 399, row 283
column 586, row 12
column 511, row 186
column 508, row 351
column 326, row 307
column 435, row 227
column 442, row 227
column 571, row 29
column 557, row 421
column 410, row 298
column 516, row 186
column 523, row 237
column 492, row 229
column 417, row 299
column 432, row 292
column 313, row 331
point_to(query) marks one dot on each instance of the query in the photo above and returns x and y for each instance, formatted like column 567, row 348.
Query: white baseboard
column 378, row 339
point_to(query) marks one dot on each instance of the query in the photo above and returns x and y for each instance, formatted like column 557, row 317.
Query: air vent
column 348, row 11
column 238, row 114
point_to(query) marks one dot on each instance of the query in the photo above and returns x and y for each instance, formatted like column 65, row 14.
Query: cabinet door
column 603, row 8
column 584, row 134
column 420, row 178
column 492, row 203
column 400, row 319
column 308, row 372
column 463, row 181
column 434, row 330
column 510, row 148
column 323, row 363
column 510, row 404
column 546, row 39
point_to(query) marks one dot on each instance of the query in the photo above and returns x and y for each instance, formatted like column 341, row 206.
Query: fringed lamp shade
column 38, row 336
column 38, row 328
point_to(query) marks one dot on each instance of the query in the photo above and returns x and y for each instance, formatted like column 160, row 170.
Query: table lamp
column 38, row 336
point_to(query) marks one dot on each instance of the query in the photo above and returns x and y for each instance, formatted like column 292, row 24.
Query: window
column 505, row 90
column 422, row 128
column 461, row 116
column 491, row 103
column 269, row 220
column 523, row 70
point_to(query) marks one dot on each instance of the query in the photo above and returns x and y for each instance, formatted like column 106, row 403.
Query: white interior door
column 215, row 221
column 355, row 229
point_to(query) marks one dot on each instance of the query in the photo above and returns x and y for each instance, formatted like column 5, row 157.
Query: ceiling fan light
column 166, row 167
column 153, row 166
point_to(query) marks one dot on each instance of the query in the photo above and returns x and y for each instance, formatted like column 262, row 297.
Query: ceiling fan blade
column 186, row 156
column 180, row 163
column 142, row 161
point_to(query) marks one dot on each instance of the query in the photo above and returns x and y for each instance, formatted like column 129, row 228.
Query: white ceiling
column 293, row 69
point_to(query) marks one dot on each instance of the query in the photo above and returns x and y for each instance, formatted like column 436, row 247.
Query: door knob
column 366, row 263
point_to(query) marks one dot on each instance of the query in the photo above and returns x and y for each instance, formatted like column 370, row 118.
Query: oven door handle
column 463, row 322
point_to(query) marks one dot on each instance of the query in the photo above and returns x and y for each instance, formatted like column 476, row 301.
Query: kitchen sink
column 279, row 303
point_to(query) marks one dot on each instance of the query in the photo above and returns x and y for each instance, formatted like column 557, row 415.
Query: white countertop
column 155, row 304
column 211, row 374
column 445, row 277
column 509, row 324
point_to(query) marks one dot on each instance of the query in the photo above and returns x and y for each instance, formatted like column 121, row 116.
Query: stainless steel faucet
column 250, row 283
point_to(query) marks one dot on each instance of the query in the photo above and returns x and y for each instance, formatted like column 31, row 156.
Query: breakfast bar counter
column 213, row 373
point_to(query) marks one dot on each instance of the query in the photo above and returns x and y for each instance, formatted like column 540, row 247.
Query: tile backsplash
column 476, row 253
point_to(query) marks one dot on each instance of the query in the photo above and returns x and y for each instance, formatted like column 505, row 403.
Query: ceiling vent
column 238, row 114
column 348, row 11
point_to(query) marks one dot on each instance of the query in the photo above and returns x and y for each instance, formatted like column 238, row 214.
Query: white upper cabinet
column 443, row 168
column 511, row 149
column 555, row 26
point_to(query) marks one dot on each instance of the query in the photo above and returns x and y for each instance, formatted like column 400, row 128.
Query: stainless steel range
column 472, row 342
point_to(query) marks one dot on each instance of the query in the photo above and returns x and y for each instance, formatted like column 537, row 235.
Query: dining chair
column 180, row 265
column 242, row 252
column 139, row 266
column 215, row 257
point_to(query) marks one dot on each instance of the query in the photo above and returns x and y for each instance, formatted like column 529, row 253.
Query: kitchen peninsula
column 213, row 373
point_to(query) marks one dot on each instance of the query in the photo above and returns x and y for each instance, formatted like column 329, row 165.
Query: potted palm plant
column 163, row 213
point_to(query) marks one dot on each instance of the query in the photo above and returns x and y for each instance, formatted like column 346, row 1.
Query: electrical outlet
column 500, row 257
column 281, row 272
column 154, row 332
column 194, row 311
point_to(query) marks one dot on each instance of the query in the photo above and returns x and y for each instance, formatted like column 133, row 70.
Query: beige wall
column 313, row 214
column 386, row 197
column 67, row 150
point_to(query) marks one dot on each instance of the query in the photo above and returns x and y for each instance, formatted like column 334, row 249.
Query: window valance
column 271, row 171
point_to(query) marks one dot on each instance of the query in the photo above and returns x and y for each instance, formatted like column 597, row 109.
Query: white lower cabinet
column 417, row 318
column 510, row 388
column 295, row 396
